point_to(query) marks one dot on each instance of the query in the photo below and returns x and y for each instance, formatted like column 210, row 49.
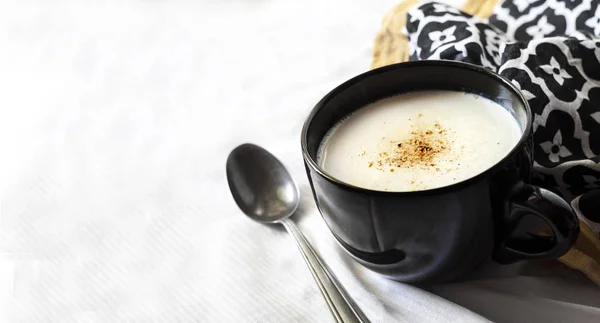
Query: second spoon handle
column 340, row 303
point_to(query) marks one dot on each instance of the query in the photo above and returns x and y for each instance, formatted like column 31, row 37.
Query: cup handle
column 535, row 201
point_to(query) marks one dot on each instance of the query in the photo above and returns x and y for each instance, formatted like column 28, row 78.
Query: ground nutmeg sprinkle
column 421, row 149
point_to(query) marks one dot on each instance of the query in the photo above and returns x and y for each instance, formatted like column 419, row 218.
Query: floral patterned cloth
column 550, row 50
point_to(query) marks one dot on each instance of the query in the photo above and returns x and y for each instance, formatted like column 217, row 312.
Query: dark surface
column 437, row 234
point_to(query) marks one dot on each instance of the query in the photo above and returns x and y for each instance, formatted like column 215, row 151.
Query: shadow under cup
column 437, row 234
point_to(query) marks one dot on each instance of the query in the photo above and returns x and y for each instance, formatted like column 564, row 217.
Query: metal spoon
column 265, row 191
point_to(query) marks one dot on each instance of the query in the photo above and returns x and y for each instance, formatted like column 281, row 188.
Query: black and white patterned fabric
column 550, row 50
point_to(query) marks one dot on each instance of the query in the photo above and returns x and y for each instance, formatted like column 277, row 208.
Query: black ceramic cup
column 437, row 234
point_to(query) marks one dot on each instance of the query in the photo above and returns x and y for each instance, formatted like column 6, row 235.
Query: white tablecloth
column 116, row 122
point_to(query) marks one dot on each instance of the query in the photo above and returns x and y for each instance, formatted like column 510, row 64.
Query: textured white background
column 116, row 122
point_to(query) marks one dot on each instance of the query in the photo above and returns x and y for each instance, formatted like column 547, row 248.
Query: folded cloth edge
column 391, row 45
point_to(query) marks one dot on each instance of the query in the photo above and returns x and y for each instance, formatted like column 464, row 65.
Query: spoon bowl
column 261, row 186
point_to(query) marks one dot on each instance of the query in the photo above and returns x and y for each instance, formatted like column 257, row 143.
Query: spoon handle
column 340, row 303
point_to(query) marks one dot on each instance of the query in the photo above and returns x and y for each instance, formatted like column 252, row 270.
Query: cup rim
column 405, row 65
